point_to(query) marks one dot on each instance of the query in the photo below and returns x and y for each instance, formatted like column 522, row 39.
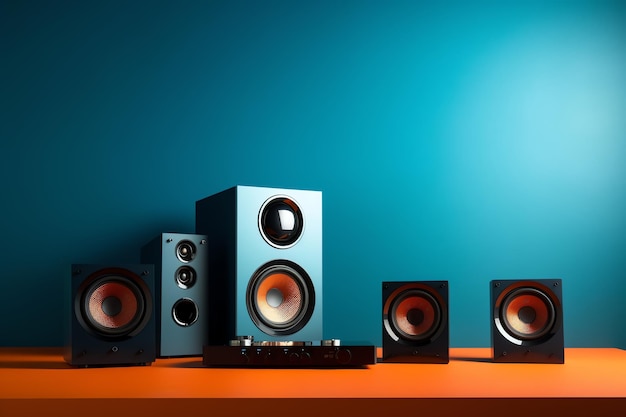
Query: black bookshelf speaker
column 111, row 315
column 527, row 321
column 415, row 322
column 265, row 263
column 182, row 291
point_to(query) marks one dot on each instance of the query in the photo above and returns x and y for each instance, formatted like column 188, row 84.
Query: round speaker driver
column 527, row 313
column 113, row 306
column 280, row 298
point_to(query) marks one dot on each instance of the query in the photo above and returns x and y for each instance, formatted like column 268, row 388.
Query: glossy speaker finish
column 415, row 322
column 110, row 319
column 527, row 321
column 181, row 268
column 265, row 263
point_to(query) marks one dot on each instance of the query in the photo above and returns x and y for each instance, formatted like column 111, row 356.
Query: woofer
column 110, row 315
column 527, row 321
column 415, row 321
column 113, row 303
column 281, row 297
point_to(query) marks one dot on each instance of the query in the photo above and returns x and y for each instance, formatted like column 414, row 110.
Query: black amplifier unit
column 244, row 353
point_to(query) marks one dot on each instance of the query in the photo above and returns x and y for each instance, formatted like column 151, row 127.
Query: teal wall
column 464, row 141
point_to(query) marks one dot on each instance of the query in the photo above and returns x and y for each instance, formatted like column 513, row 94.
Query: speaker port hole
column 185, row 312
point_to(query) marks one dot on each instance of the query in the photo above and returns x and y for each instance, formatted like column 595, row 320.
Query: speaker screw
column 144, row 273
column 556, row 284
column 203, row 242
column 385, row 286
column 497, row 284
column 443, row 285
column 114, row 349
column 169, row 240
column 77, row 271
column 504, row 353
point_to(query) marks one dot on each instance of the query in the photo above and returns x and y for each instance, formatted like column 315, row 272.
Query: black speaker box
column 265, row 263
column 415, row 322
column 527, row 321
column 111, row 320
column 182, row 291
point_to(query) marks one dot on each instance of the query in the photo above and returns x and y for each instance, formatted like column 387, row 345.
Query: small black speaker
column 415, row 322
column 111, row 320
column 182, row 292
column 527, row 321
column 265, row 266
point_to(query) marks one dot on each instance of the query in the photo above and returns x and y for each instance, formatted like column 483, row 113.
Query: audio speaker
column 265, row 263
column 527, row 321
column 111, row 316
column 415, row 322
column 182, row 291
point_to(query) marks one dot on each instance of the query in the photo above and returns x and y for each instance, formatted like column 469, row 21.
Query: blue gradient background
column 464, row 141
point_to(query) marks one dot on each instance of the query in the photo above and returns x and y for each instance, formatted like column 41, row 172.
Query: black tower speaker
column 415, row 322
column 111, row 320
column 182, row 292
column 527, row 321
column 265, row 263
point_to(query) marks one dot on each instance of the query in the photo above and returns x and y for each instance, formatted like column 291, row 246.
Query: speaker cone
column 281, row 222
column 185, row 277
column 280, row 298
column 113, row 304
column 185, row 251
column 526, row 313
column 412, row 314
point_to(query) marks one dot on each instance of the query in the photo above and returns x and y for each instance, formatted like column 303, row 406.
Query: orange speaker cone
column 415, row 316
column 528, row 313
column 112, row 305
column 279, row 298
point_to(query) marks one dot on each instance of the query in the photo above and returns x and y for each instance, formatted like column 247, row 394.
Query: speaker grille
column 526, row 313
column 281, row 222
column 280, row 298
column 113, row 303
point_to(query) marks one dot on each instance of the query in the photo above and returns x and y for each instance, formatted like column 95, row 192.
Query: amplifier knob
column 344, row 356
column 294, row 357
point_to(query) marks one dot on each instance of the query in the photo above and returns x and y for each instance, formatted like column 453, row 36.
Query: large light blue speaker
column 181, row 268
column 265, row 248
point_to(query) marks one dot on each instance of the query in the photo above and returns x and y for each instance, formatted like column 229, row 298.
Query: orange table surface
column 36, row 380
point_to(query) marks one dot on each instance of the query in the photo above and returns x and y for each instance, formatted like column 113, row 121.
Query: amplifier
column 276, row 354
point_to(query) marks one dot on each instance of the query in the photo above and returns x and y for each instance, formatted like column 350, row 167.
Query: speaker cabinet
column 265, row 251
column 182, row 291
column 527, row 321
column 111, row 316
column 415, row 322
